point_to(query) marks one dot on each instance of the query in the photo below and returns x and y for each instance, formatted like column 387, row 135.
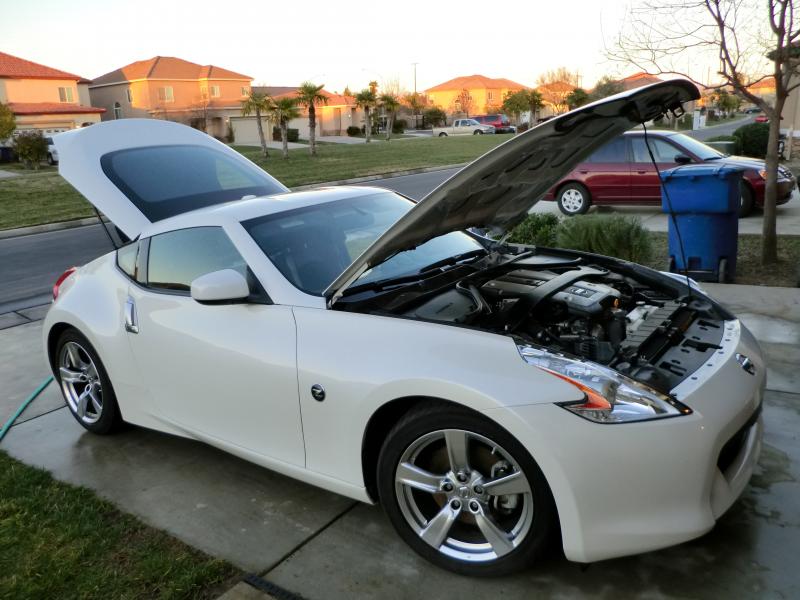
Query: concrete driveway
column 321, row 545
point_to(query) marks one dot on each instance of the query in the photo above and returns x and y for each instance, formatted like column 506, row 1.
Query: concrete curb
column 379, row 176
column 20, row 231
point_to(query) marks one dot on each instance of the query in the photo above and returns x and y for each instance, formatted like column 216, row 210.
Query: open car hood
column 497, row 190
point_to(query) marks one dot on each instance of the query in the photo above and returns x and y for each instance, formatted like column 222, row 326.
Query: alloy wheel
column 80, row 382
column 464, row 495
column 572, row 200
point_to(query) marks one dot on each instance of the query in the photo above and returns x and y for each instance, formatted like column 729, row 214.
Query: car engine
column 588, row 311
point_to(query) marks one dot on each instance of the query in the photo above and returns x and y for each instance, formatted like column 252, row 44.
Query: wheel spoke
column 97, row 403
column 497, row 538
column 457, row 448
column 515, row 483
column 420, row 479
column 70, row 376
column 75, row 356
column 436, row 530
column 83, row 400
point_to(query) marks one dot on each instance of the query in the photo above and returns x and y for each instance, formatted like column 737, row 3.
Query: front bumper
column 634, row 487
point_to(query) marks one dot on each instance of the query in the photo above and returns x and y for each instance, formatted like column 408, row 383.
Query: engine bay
column 651, row 329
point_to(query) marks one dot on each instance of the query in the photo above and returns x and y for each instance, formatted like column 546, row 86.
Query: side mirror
column 682, row 159
column 222, row 286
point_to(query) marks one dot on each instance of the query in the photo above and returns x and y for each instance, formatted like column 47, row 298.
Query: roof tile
column 51, row 108
column 166, row 67
column 13, row 67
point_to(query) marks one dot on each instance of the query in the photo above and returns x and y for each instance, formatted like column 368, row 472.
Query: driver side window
column 177, row 258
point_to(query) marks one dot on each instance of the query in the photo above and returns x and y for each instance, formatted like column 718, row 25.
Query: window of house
column 490, row 95
column 65, row 94
column 129, row 95
column 117, row 110
column 215, row 91
column 179, row 257
column 203, row 92
column 245, row 91
column 165, row 94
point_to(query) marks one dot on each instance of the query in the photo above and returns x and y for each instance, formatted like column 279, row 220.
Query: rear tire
column 443, row 134
column 85, row 384
column 477, row 132
column 573, row 199
column 444, row 513
column 747, row 201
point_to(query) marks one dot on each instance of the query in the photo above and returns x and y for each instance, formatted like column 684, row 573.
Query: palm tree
column 257, row 103
column 309, row 95
column 390, row 104
column 281, row 111
column 366, row 99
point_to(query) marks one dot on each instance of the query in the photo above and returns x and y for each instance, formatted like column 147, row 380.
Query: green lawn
column 35, row 198
column 345, row 161
column 62, row 541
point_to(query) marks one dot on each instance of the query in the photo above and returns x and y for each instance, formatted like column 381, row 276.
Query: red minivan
column 621, row 172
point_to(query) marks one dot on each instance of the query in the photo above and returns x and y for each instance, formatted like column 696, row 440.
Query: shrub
column 753, row 139
column 353, row 131
column 620, row 236
column 31, row 148
column 399, row 126
column 434, row 116
column 538, row 229
column 523, row 127
column 726, row 138
column 292, row 135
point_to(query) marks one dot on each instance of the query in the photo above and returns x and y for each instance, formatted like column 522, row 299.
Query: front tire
column 747, row 202
column 477, row 132
column 443, row 134
column 464, row 493
column 573, row 199
column 85, row 385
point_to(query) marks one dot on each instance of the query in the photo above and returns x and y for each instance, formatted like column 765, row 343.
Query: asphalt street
column 31, row 264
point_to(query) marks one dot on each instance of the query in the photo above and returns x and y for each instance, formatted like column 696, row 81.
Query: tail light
column 61, row 279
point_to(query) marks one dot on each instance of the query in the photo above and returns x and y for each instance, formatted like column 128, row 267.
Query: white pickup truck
column 463, row 127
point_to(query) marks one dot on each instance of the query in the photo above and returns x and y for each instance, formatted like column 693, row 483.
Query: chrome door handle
column 131, row 324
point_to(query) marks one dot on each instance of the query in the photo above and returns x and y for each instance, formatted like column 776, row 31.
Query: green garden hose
column 7, row 427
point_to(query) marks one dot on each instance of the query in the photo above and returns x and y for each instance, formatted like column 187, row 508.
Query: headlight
column 609, row 397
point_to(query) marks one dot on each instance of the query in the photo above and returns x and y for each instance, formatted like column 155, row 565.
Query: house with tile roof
column 165, row 87
column 333, row 117
column 472, row 94
column 45, row 98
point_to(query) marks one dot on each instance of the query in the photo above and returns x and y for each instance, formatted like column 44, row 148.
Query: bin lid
column 702, row 170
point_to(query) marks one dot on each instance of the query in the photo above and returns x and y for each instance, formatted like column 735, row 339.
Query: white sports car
column 491, row 397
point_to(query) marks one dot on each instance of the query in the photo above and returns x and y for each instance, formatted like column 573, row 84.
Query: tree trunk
column 389, row 125
column 769, row 234
column 261, row 134
column 367, row 123
column 285, row 137
column 312, row 129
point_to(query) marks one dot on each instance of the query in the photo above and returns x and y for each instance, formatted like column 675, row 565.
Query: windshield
column 699, row 149
column 311, row 246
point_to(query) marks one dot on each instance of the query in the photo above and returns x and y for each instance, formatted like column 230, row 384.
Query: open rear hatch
column 139, row 171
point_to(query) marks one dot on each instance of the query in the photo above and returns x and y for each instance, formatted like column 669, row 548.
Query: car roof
column 237, row 211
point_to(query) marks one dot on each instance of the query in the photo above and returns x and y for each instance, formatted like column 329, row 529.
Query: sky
column 336, row 43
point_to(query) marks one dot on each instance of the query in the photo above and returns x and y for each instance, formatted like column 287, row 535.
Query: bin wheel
column 722, row 276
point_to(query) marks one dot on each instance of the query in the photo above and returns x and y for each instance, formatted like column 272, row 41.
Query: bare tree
column 750, row 42
column 555, row 86
column 463, row 102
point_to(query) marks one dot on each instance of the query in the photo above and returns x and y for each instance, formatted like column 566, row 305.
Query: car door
column 221, row 372
column 645, row 182
column 606, row 173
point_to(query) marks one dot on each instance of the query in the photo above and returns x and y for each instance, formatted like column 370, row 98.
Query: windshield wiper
column 452, row 260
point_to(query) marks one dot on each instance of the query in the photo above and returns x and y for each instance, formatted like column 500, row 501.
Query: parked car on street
column 622, row 173
column 492, row 397
column 463, row 127
column 500, row 123
column 762, row 119
column 52, row 153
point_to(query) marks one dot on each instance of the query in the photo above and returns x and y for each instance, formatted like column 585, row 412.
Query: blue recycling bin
column 705, row 203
